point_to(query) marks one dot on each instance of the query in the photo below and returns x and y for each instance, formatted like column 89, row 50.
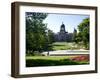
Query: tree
column 75, row 35
column 83, row 35
column 51, row 36
column 35, row 32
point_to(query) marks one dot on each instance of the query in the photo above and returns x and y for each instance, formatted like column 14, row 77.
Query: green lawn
column 32, row 61
column 49, row 57
column 64, row 46
column 39, row 60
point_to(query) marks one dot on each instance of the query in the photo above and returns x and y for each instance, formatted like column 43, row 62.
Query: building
column 63, row 35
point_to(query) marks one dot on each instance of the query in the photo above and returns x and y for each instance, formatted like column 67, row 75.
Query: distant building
column 63, row 35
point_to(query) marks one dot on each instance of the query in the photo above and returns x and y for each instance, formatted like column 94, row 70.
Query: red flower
column 81, row 58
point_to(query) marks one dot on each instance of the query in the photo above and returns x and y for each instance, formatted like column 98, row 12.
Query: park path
column 65, row 52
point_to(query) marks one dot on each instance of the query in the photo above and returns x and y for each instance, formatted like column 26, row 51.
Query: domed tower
column 62, row 28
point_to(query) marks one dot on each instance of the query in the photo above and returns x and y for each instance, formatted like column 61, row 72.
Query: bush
column 43, row 62
column 35, row 53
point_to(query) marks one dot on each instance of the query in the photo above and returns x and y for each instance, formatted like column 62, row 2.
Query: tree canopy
column 37, row 33
column 83, row 34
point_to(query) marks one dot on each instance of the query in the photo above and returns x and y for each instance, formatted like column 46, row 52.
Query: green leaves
column 36, row 32
column 83, row 35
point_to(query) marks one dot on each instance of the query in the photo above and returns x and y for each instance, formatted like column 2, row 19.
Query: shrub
column 80, row 58
column 43, row 62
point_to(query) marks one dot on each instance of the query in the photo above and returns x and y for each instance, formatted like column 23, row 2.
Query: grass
column 32, row 61
column 65, row 46
column 49, row 57
column 40, row 60
column 44, row 62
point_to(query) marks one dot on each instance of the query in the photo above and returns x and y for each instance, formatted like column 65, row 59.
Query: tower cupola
column 62, row 28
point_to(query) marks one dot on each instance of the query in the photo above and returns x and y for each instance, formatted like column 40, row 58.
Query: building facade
column 63, row 35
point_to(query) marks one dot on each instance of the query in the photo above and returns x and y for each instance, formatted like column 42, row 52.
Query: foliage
column 50, row 36
column 75, row 35
column 44, row 62
column 35, row 53
column 32, row 61
column 36, row 32
column 83, row 58
column 83, row 35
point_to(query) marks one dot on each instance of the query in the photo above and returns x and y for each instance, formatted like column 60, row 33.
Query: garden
column 39, row 39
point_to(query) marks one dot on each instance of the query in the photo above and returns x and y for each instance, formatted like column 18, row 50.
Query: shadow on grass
column 59, row 45
column 43, row 62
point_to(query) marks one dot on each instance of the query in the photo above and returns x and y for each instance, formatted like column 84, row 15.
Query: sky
column 71, row 21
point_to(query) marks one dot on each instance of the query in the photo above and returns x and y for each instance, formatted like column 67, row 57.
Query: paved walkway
column 66, row 52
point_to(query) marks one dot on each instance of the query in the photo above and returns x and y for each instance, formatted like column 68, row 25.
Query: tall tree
column 75, row 35
column 35, row 31
column 50, row 36
column 83, row 34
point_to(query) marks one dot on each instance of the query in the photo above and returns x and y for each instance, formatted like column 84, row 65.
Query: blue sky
column 71, row 21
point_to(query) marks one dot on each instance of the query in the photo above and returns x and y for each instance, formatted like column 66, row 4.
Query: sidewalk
column 66, row 52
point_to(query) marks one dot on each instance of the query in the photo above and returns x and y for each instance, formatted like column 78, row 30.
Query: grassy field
column 49, row 57
column 65, row 46
column 32, row 61
column 36, row 59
